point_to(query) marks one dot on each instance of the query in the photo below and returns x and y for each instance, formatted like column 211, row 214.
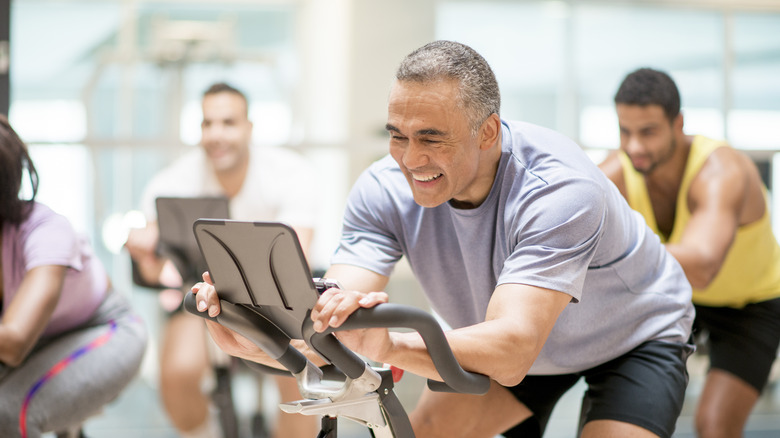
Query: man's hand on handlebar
column 332, row 309
column 206, row 296
column 336, row 305
column 229, row 341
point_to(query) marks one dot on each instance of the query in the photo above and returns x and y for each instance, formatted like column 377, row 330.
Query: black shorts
column 743, row 341
column 645, row 387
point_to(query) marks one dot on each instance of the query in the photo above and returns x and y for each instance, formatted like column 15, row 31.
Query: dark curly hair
column 650, row 87
column 14, row 160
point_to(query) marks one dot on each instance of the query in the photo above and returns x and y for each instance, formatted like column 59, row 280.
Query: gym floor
column 138, row 413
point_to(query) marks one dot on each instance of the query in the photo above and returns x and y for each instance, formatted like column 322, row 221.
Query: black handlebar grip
column 333, row 351
column 257, row 329
column 456, row 379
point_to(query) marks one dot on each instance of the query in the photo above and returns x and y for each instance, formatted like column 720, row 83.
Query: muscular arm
column 719, row 199
column 519, row 319
column 724, row 195
column 29, row 312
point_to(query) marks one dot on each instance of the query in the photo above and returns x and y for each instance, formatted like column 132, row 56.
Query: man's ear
column 490, row 132
column 677, row 123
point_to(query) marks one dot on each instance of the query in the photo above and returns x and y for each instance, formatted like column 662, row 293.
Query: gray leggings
column 98, row 360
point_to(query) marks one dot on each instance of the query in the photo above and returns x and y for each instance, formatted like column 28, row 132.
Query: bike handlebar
column 388, row 315
column 257, row 329
column 275, row 343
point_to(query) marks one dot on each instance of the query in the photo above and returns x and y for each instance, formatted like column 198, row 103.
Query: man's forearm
column 477, row 349
column 699, row 271
column 410, row 354
column 149, row 268
column 259, row 356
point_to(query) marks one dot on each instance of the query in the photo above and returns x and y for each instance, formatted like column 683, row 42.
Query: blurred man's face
column 225, row 131
column 646, row 136
column 431, row 140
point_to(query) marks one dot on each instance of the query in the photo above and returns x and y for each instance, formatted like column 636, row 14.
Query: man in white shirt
column 262, row 184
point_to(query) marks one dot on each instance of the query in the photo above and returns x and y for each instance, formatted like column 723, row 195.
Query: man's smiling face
column 431, row 140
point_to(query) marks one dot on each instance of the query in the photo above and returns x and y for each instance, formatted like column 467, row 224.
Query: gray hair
column 478, row 93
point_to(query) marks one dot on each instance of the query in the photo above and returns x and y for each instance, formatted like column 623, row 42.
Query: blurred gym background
column 107, row 92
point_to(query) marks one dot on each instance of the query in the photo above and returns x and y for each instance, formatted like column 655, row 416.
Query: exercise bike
column 267, row 294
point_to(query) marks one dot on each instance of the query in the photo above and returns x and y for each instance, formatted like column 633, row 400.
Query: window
column 119, row 98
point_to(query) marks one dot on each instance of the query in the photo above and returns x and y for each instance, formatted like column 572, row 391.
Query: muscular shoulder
column 731, row 176
column 724, row 166
column 725, row 163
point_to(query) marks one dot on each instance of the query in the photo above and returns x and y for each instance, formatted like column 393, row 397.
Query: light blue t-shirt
column 553, row 220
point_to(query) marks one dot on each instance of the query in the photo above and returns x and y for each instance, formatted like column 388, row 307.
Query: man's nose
column 211, row 131
column 415, row 156
column 633, row 145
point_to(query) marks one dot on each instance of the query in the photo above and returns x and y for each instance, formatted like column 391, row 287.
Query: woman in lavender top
column 69, row 343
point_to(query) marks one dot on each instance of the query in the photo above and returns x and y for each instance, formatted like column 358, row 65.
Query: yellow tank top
column 751, row 271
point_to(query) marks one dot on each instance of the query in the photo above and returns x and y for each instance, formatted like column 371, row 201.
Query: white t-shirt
column 279, row 186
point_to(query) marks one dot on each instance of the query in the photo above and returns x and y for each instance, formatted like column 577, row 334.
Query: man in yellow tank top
column 707, row 203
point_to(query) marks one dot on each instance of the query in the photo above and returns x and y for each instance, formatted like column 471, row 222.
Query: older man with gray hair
column 524, row 247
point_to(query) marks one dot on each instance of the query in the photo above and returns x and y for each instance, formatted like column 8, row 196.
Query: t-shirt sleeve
column 556, row 237
column 367, row 237
column 51, row 240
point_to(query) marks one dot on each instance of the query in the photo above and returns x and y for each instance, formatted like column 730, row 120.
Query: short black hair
column 647, row 86
column 14, row 159
column 222, row 87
